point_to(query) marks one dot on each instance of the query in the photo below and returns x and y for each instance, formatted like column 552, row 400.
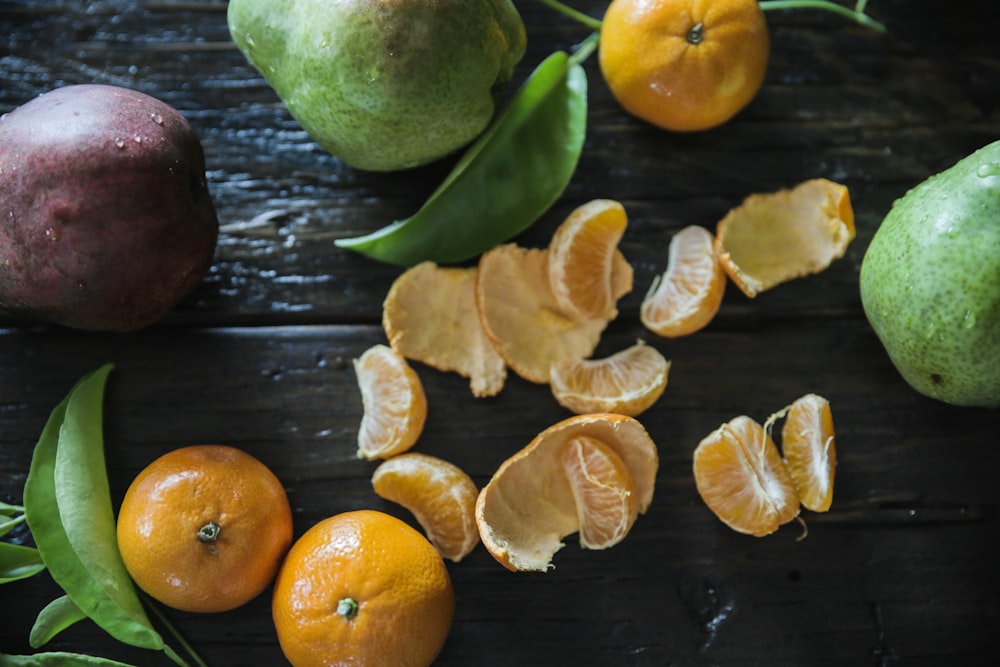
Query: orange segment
column 741, row 477
column 602, row 489
column 537, row 497
column 689, row 293
column 810, row 451
column 430, row 316
column 581, row 259
column 627, row 382
column 440, row 496
column 772, row 238
column 522, row 317
column 395, row 406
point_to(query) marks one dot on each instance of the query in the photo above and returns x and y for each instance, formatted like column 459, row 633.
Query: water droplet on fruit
column 81, row 285
column 119, row 142
column 156, row 118
column 969, row 320
column 52, row 234
column 137, row 139
column 250, row 41
column 987, row 169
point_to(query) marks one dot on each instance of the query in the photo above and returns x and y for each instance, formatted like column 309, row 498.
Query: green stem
column 589, row 21
column 177, row 635
column 857, row 14
column 586, row 48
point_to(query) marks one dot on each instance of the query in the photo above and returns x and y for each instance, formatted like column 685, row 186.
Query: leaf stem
column 585, row 49
column 176, row 633
column 589, row 21
column 857, row 14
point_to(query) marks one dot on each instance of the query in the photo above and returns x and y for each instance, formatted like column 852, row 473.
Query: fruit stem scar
column 696, row 34
column 347, row 608
column 209, row 532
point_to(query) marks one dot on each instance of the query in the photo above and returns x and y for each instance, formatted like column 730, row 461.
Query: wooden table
column 900, row 571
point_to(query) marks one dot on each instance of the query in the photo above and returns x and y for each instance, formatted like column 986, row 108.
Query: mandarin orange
column 204, row 528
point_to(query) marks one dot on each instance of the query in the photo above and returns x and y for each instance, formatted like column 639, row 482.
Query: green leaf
column 53, row 619
column 57, row 659
column 7, row 524
column 7, row 509
column 95, row 587
column 18, row 562
column 504, row 182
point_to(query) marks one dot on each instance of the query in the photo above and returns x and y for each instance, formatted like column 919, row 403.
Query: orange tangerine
column 395, row 406
column 809, row 448
column 688, row 294
column 581, row 259
column 740, row 475
column 362, row 588
column 439, row 494
column 628, row 382
column 776, row 237
column 684, row 65
column 566, row 480
column 204, row 528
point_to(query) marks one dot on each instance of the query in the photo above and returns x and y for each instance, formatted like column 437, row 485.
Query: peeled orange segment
column 688, row 294
column 440, row 496
column 602, row 488
column 522, row 318
column 581, row 259
column 810, row 452
column 537, row 497
column 395, row 406
column 627, row 382
column 772, row 238
column 741, row 477
column 430, row 316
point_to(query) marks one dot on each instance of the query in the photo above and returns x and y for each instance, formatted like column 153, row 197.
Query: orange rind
column 628, row 382
column 395, row 406
column 439, row 494
column 562, row 483
column 772, row 238
column 430, row 316
column 688, row 294
column 741, row 476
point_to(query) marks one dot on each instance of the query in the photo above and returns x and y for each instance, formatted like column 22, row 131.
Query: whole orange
column 684, row 65
column 362, row 588
column 204, row 528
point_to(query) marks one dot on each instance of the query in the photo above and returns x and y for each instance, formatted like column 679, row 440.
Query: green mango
column 930, row 282
column 384, row 85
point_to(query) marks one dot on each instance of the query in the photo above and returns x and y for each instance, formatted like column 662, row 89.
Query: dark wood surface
column 902, row 570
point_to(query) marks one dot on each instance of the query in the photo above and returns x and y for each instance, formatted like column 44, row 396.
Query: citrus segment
column 627, row 382
column 740, row 475
column 688, row 294
column 430, row 316
column 530, row 505
column 522, row 318
column 362, row 588
column 204, row 528
column 810, row 452
column 772, row 238
column 581, row 259
column 439, row 494
column 684, row 65
column 395, row 406
column 602, row 489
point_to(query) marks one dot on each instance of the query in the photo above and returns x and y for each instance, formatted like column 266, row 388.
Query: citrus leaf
column 53, row 619
column 18, row 562
column 57, row 659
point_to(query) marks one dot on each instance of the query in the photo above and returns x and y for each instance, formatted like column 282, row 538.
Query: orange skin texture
column 684, row 65
column 400, row 585
column 176, row 496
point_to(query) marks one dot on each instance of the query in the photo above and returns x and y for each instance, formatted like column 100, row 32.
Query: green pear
column 384, row 85
column 930, row 282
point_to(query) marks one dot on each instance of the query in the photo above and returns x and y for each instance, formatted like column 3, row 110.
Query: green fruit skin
column 384, row 85
column 106, row 222
column 930, row 282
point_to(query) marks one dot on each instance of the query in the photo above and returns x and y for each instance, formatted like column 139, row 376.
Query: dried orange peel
column 430, row 316
column 775, row 237
column 589, row 473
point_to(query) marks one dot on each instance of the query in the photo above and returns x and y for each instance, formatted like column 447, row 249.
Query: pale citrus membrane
column 439, row 494
column 430, row 316
column 568, row 479
column 582, row 257
column 688, row 294
column 395, row 406
column 628, row 382
column 776, row 237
